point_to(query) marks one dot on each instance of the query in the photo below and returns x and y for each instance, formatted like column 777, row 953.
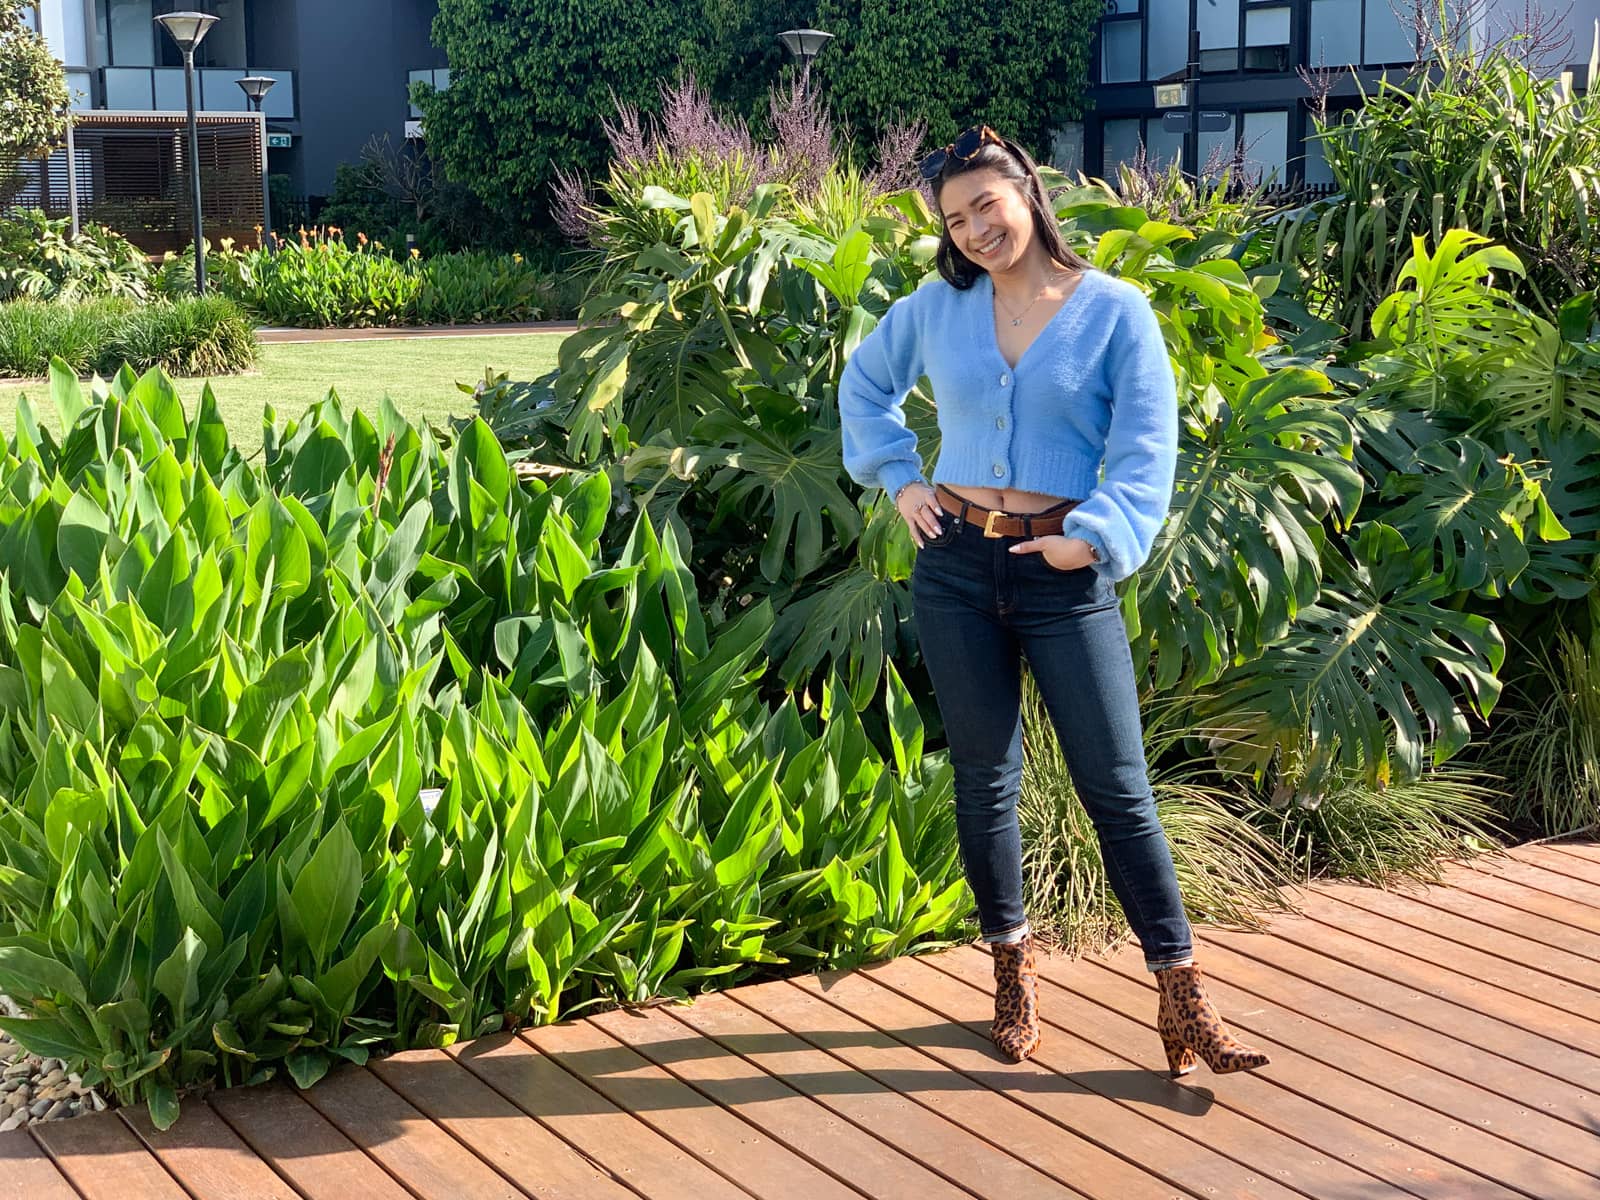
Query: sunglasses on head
column 963, row 148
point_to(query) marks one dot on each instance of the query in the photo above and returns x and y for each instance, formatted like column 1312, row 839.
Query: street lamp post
column 805, row 44
column 188, row 30
column 255, row 88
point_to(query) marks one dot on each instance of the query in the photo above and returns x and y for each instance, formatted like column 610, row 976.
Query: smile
column 991, row 246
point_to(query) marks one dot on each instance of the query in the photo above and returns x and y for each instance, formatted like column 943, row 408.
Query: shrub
column 321, row 280
column 1380, row 836
column 40, row 259
column 229, row 688
column 207, row 336
column 194, row 337
column 32, row 332
column 478, row 287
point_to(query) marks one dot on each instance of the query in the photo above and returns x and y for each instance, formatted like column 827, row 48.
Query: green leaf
column 326, row 890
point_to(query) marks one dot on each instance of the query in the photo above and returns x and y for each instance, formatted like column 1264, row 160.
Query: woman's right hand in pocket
column 919, row 507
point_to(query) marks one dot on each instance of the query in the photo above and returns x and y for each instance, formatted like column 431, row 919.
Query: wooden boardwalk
column 1439, row 1043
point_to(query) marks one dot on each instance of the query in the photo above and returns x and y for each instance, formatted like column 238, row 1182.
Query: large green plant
column 1475, row 140
column 364, row 743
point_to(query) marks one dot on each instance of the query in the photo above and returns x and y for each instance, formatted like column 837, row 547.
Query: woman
column 1045, row 371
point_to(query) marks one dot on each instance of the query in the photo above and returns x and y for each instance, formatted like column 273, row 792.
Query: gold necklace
column 1017, row 320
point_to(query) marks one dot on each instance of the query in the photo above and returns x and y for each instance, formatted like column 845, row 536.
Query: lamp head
column 804, row 44
column 187, row 29
column 256, row 86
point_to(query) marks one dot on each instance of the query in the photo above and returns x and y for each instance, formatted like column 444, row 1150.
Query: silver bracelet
column 900, row 491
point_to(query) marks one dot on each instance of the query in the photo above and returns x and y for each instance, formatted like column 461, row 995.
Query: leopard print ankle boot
column 1189, row 1026
column 1016, row 999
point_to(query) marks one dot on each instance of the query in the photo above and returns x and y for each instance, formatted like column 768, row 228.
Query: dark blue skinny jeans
column 979, row 610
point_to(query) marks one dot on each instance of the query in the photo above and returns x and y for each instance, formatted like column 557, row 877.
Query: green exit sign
column 279, row 141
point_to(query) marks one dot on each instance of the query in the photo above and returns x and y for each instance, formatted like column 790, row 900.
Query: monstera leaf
column 1472, row 511
column 1239, row 556
column 1359, row 682
column 1563, row 569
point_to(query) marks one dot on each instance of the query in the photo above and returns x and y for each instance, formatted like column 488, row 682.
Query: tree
column 33, row 89
column 532, row 80
column 1022, row 67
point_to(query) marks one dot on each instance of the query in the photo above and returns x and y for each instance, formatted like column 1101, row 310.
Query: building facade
column 344, row 68
column 1251, row 56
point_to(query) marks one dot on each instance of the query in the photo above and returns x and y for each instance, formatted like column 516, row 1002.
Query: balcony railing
column 160, row 89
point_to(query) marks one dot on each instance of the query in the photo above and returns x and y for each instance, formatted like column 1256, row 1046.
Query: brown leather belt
column 997, row 523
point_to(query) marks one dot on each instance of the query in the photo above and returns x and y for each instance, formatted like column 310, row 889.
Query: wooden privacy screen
column 130, row 171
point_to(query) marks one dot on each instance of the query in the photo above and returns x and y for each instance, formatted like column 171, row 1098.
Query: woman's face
column 987, row 219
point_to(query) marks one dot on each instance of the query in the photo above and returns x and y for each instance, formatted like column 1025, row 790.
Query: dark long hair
column 1011, row 162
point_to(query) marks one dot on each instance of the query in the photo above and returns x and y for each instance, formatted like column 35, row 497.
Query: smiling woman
column 1058, row 419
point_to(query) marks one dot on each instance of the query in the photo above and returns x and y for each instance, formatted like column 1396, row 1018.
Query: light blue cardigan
column 1094, row 389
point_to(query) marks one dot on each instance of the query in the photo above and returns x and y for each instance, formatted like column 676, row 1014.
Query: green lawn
column 419, row 374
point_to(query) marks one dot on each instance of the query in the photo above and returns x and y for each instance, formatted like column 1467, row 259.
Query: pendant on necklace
column 1016, row 321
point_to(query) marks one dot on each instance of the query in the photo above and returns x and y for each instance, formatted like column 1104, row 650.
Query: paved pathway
column 1440, row 1043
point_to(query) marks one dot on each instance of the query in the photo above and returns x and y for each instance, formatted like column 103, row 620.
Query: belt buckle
column 988, row 523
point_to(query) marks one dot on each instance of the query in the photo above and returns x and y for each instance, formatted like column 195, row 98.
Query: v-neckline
column 994, row 335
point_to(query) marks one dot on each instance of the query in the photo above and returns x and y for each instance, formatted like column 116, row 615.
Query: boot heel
column 1180, row 1058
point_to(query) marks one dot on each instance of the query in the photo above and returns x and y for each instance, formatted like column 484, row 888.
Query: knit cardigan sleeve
column 879, row 450
column 1122, row 516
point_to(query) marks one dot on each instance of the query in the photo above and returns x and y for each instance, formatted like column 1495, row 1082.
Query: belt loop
column 1027, row 527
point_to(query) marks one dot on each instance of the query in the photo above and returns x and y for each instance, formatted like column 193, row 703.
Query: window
column 1161, row 146
column 1121, row 145
column 1216, row 150
column 131, row 31
column 439, row 78
column 1066, row 148
column 1315, row 165
column 1119, row 51
column 1335, row 33
column 1218, row 24
column 1389, row 34
column 1266, row 145
column 1169, row 37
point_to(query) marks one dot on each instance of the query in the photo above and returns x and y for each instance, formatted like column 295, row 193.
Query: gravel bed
column 34, row 1089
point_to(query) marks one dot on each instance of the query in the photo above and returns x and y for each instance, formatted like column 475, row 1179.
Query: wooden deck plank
column 1481, row 934
column 28, row 1171
column 1081, row 1009
column 1400, row 1096
column 1142, row 1086
column 317, row 1160
column 1562, row 861
column 1580, row 899
column 1489, row 1067
column 1404, row 969
column 1500, row 913
column 206, row 1157
column 1494, row 970
column 757, row 1163
column 943, row 1146
column 497, row 1131
column 1568, row 1074
column 1171, row 1159
column 1588, row 850
column 415, row 1151
column 631, row 1151
column 1072, row 1160
column 102, row 1159
column 872, row 1167
column 1557, row 910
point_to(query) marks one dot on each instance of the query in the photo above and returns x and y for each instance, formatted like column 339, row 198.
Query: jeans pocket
column 948, row 532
